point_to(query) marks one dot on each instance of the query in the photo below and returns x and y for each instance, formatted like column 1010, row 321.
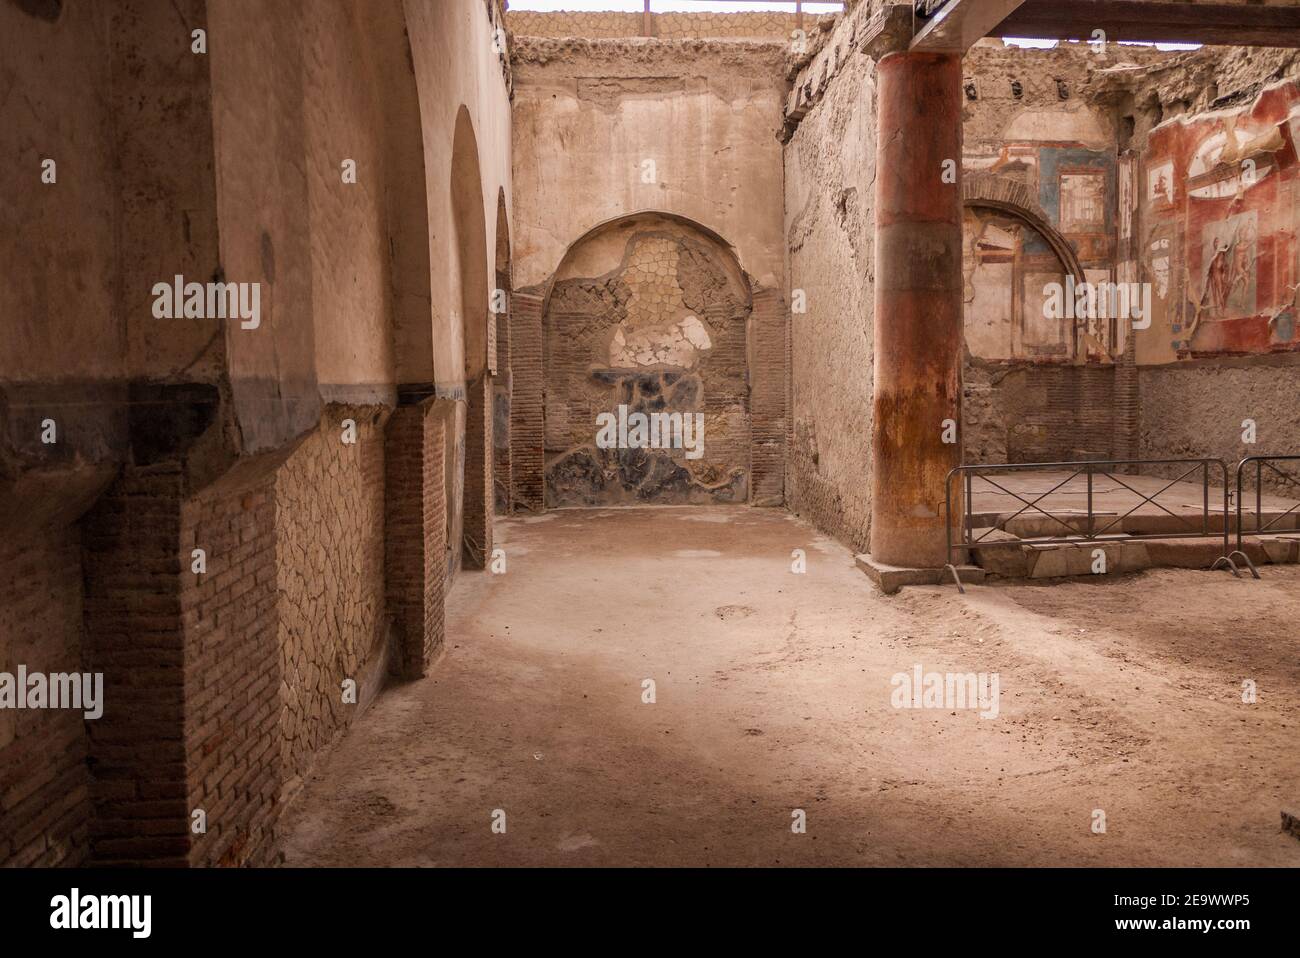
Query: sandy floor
column 773, row 693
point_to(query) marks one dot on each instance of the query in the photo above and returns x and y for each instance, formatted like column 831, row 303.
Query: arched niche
column 462, row 375
column 647, row 314
column 1011, row 251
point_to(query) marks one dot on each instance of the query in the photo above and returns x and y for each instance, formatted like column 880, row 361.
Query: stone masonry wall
column 829, row 223
column 1037, row 413
column 330, row 576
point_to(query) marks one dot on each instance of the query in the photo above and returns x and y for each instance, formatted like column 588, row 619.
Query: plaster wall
column 351, row 268
column 58, row 298
column 829, row 229
column 604, row 128
column 459, row 61
column 222, row 164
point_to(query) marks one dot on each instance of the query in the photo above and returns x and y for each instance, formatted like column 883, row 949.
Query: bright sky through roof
column 1047, row 44
column 709, row 6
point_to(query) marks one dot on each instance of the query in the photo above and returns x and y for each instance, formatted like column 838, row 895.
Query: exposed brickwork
column 768, row 374
column 222, row 685
column 1126, row 407
column 232, row 667
column 330, row 572
column 415, row 534
column 135, row 635
column 191, row 668
column 1127, row 399
column 527, row 432
column 479, row 497
column 1038, row 413
column 501, row 396
column 664, row 331
column 45, row 801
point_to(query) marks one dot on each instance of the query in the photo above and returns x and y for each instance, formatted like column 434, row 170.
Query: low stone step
column 1015, row 560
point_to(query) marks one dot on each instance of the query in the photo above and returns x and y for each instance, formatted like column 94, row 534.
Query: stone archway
column 990, row 191
column 469, row 449
column 1011, row 251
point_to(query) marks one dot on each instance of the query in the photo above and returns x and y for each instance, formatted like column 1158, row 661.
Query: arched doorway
column 469, row 450
column 645, row 367
column 499, row 361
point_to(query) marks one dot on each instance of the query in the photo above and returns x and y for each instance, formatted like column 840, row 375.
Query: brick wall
column 769, row 349
column 479, row 498
column 527, row 426
column 221, row 686
column 501, row 397
column 1038, row 413
column 45, row 803
column 1127, row 404
column 135, row 636
column 415, row 534
column 619, row 339
column 232, row 667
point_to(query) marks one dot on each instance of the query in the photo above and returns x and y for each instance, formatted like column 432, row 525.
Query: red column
column 918, row 321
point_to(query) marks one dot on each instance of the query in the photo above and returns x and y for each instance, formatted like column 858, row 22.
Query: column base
column 891, row 578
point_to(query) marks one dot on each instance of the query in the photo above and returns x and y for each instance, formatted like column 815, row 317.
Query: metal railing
column 1259, row 463
column 1085, row 527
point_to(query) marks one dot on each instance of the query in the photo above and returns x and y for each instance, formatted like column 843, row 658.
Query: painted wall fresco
column 1037, row 387
column 1005, row 265
column 1008, row 263
column 661, row 334
column 1219, row 246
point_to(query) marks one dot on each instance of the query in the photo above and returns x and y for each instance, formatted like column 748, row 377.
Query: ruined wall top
column 764, row 25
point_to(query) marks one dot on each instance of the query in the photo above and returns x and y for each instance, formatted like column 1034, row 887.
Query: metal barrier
column 1260, row 462
column 1090, row 532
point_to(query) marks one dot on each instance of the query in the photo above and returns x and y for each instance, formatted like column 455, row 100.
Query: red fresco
column 1234, row 295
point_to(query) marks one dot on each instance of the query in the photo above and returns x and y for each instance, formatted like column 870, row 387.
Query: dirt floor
column 773, row 693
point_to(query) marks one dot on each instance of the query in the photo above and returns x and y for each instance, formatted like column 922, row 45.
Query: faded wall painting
column 645, row 366
column 1226, row 212
column 1005, row 267
column 1072, row 187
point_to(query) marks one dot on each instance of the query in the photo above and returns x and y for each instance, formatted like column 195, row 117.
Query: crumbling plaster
column 681, row 127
